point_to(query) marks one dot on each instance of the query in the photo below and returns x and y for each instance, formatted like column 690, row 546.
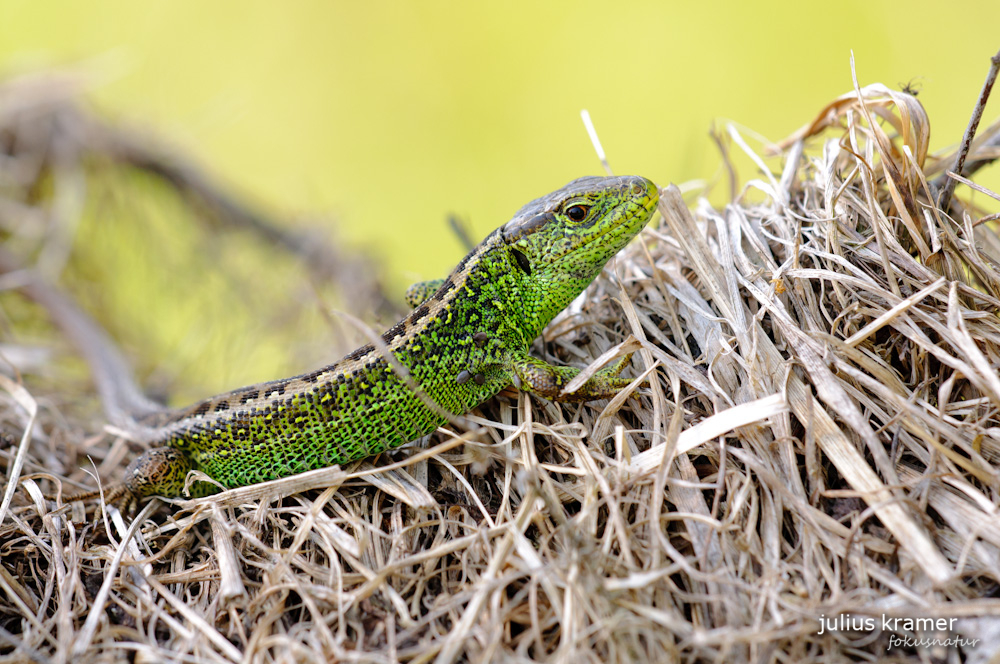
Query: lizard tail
column 112, row 494
column 123, row 400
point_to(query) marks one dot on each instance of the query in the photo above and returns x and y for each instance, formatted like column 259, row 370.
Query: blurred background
column 384, row 118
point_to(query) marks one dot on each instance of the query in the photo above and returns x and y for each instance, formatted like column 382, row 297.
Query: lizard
column 466, row 338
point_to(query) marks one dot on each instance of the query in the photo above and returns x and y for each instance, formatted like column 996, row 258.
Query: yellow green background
column 387, row 116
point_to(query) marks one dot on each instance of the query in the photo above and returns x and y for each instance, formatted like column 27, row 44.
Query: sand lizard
column 466, row 338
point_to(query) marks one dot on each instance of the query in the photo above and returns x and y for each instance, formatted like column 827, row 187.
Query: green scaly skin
column 466, row 339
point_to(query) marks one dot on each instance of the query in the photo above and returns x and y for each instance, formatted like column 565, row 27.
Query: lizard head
column 562, row 241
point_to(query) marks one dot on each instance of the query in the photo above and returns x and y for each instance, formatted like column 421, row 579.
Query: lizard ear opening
column 522, row 261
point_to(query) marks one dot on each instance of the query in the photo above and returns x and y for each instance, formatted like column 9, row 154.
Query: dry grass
column 821, row 438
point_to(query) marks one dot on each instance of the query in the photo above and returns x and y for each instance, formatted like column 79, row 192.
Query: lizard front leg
column 419, row 292
column 547, row 380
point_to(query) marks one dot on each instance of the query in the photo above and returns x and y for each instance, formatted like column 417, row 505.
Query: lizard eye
column 578, row 212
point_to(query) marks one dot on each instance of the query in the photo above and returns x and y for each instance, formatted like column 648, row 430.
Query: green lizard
column 466, row 339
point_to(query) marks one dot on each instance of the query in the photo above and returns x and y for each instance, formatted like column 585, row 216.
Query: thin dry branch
column 944, row 199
